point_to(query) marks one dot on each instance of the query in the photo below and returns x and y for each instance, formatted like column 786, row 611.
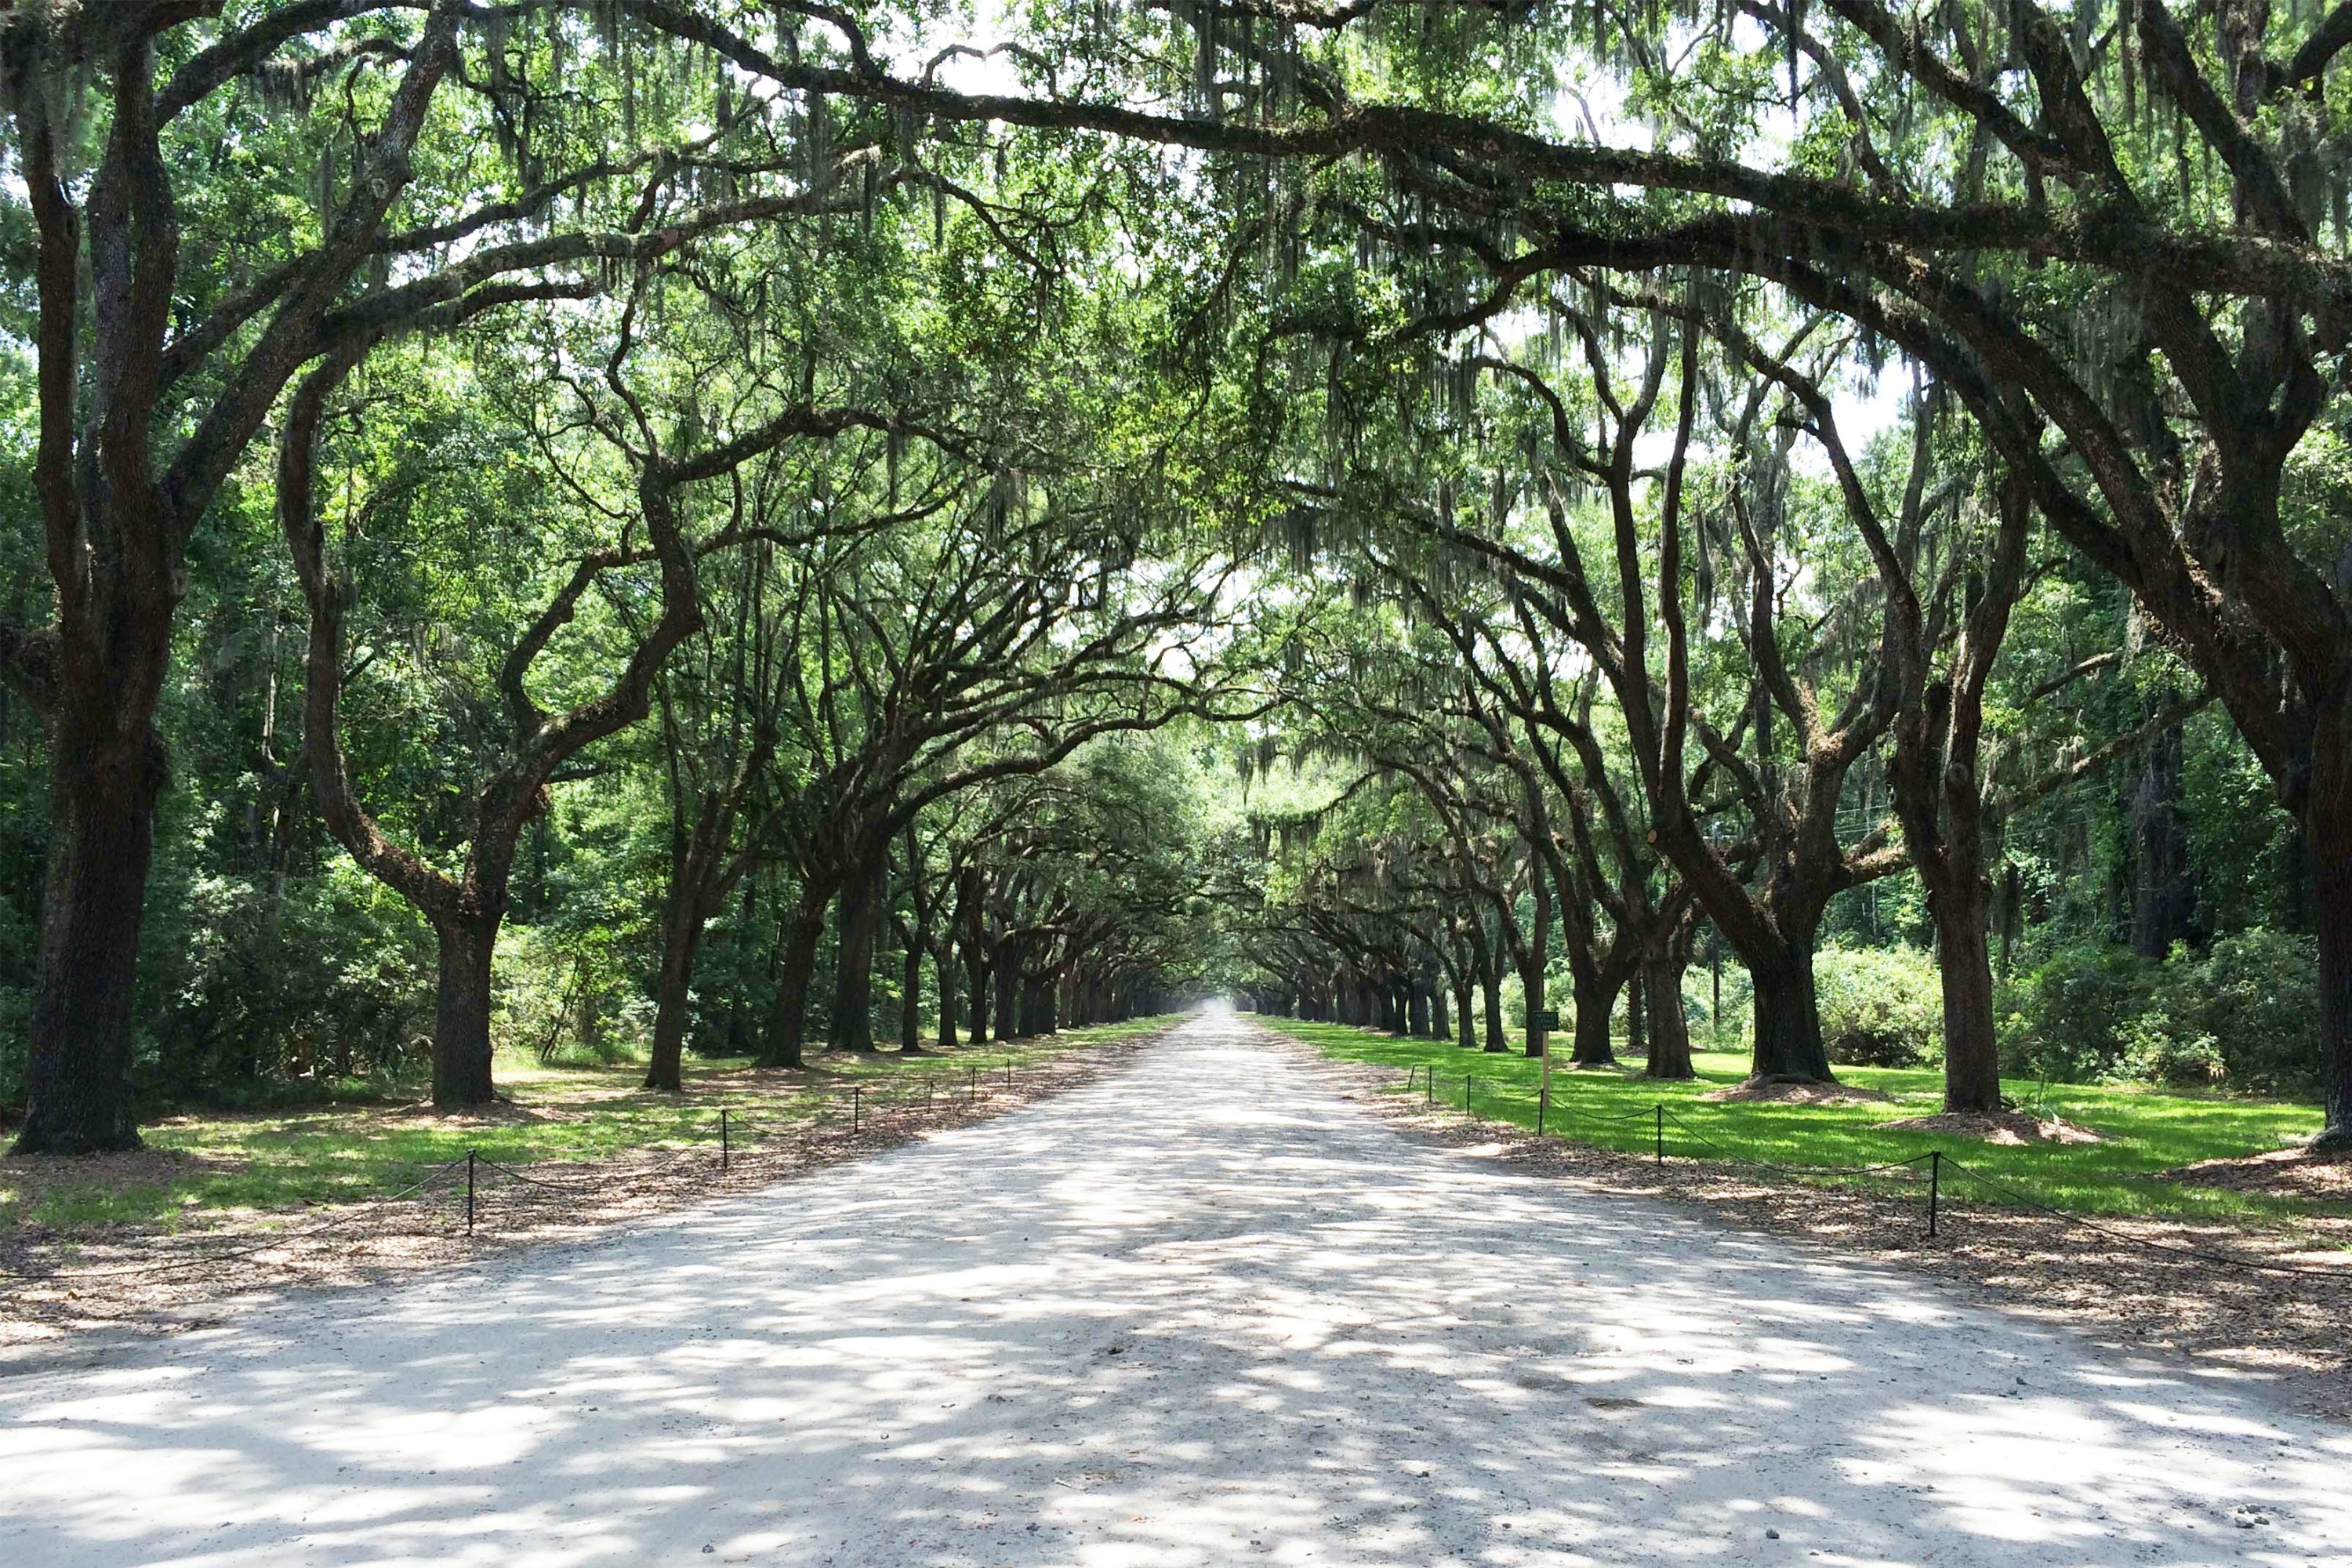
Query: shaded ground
column 55, row 1281
column 2296, row 1172
column 2010, row 1127
column 2142, row 1132
column 2135, row 1284
column 1195, row 1313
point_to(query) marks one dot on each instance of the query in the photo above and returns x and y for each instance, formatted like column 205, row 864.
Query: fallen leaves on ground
column 2136, row 1284
column 55, row 1283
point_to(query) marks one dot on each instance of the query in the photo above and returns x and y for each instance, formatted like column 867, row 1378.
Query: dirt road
column 1201, row 1312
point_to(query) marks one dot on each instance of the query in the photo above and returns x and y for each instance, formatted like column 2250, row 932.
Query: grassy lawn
column 2143, row 1131
column 215, row 1160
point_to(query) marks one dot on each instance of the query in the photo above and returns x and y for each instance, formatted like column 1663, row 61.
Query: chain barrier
column 1937, row 1160
column 731, row 1122
column 153, row 1267
column 2199, row 1253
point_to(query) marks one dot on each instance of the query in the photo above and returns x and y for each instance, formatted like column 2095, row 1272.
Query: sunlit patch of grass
column 2143, row 1131
column 197, row 1164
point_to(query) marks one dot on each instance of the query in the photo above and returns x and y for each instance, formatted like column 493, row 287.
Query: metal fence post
column 1466, row 1083
column 469, row 1192
column 1662, row 1133
column 854, row 1092
column 1543, row 1104
column 722, row 1140
column 1935, row 1186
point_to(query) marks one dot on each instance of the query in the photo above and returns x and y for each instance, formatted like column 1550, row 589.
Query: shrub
column 250, row 993
column 1881, row 1006
column 2243, row 1014
column 15, row 1017
column 2155, row 1048
column 2255, row 996
column 2065, row 1021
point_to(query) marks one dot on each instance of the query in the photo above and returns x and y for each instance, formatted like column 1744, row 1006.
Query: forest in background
column 626, row 528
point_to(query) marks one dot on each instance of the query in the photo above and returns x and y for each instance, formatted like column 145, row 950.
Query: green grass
column 2143, row 1131
column 209, row 1161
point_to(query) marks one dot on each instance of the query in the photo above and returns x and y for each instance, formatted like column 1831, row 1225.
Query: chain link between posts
column 1662, row 1115
column 724, row 1136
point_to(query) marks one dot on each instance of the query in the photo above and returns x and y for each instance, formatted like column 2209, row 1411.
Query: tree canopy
column 721, row 527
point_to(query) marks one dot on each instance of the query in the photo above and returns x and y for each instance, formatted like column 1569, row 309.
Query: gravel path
column 1204, row 1312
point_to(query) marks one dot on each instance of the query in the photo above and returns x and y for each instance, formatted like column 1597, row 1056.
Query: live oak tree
column 1624, row 915
column 2112, row 237
column 144, row 410
column 986, row 644
column 329, row 220
column 657, row 467
column 1584, row 407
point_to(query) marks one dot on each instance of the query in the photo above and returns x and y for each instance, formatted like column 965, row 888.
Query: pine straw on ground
column 2106, row 1277
column 2010, row 1127
column 2281, row 1173
column 147, row 1279
column 1795, row 1091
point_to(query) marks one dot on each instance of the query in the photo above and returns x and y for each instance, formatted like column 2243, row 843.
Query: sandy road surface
column 1202, row 1311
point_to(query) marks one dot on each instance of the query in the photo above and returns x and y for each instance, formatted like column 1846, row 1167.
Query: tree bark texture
column 1669, row 1045
column 1788, row 1020
column 461, row 1021
column 103, row 840
column 795, row 972
column 851, row 1025
column 1964, row 963
column 673, row 998
column 1596, row 1005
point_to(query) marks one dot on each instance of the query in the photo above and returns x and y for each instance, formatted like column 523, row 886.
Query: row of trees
column 1706, row 464
column 1531, row 774
column 2109, row 248
column 540, row 376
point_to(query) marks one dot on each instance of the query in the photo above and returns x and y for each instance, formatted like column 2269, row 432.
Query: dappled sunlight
column 1201, row 1312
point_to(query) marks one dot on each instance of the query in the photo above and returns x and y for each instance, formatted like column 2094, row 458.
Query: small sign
column 1545, row 1018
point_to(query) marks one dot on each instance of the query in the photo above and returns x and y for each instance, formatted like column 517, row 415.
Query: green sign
column 1543, row 1018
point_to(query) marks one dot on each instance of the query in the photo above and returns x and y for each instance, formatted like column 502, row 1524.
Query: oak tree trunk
column 1964, row 959
column 851, row 1026
column 103, row 840
column 681, row 942
column 1490, row 985
column 1669, row 1027
column 1788, row 1020
column 1596, row 1004
column 948, row 992
column 461, row 1018
column 796, row 970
